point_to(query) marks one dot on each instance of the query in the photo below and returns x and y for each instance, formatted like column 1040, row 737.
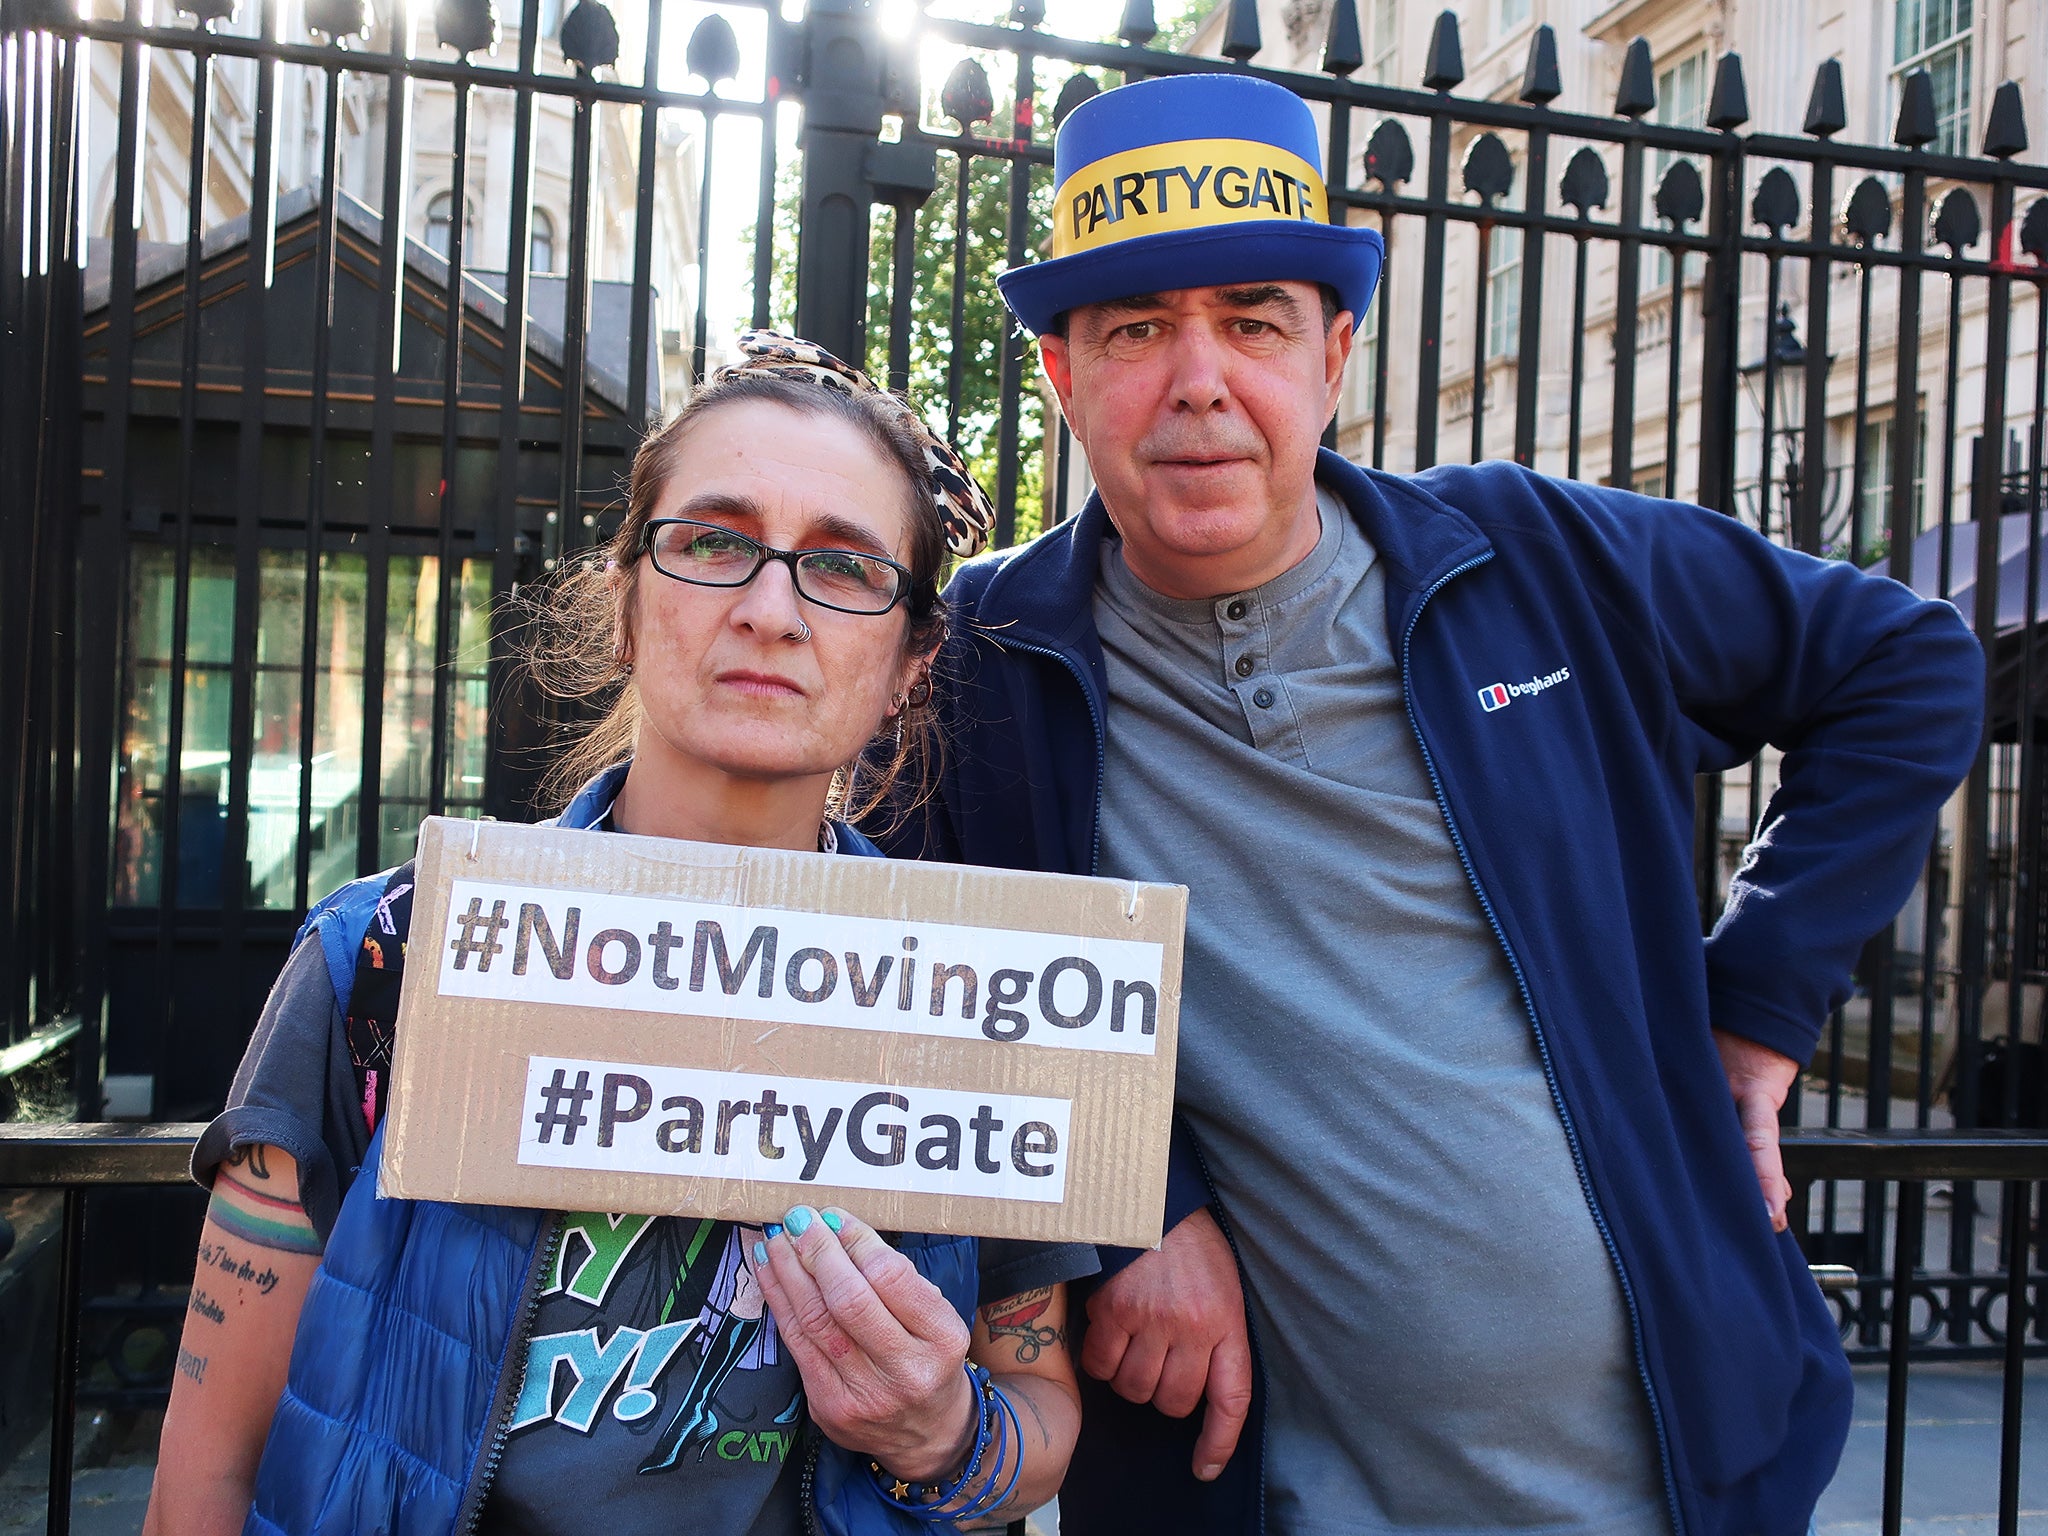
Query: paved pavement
column 1952, row 1438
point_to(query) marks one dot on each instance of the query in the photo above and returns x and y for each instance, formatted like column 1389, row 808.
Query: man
column 1483, row 1118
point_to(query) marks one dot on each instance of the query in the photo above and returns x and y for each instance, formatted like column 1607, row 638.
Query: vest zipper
column 1571, row 1130
column 807, row 1486
column 1095, row 719
column 512, row 1377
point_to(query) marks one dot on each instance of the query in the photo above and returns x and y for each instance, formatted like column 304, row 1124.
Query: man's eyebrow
column 1261, row 296
column 1132, row 303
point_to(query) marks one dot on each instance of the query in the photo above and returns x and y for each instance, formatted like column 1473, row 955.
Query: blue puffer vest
column 409, row 1351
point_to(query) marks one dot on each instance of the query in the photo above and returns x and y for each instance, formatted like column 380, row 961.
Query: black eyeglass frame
column 764, row 553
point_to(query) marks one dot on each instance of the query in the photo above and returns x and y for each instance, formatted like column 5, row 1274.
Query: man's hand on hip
column 1758, row 1079
column 1169, row 1330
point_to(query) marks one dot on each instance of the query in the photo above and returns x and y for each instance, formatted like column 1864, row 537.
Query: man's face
column 1200, row 411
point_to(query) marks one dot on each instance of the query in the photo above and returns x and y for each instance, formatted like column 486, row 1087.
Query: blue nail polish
column 773, row 1229
column 833, row 1220
column 760, row 1253
column 798, row 1221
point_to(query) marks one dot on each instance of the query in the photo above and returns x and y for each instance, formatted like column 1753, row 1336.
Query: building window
column 1650, row 482
column 439, row 222
column 1365, row 351
column 1504, row 281
column 1512, row 14
column 541, row 254
column 1681, row 103
column 1934, row 35
column 1382, row 40
column 1874, row 491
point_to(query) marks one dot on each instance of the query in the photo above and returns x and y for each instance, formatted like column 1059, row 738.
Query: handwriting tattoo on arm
column 192, row 1365
column 1018, row 1318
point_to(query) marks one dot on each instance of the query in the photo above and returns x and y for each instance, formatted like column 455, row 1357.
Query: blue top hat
column 1189, row 181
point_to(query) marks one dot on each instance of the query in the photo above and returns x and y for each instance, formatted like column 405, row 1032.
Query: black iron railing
column 78, row 1160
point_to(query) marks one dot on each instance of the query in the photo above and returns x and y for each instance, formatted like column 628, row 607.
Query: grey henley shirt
column 1445, row 1341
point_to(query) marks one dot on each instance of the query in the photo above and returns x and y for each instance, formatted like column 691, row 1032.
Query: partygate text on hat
column 1190, row 181
column 1191, row 185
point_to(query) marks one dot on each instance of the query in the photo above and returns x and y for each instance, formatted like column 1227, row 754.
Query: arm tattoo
column 242, row 1207
column 203, row 1305
column 1017, row 1318
column 192, row 1365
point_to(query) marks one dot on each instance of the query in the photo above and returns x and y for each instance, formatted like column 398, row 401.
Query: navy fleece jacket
column 1685, row 643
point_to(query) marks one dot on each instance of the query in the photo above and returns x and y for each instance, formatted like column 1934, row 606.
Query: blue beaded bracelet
column 928, row 1500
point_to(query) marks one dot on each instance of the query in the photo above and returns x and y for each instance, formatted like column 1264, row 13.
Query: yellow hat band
column 1189, row 184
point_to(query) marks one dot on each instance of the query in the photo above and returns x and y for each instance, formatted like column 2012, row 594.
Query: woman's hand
column 879, row 1347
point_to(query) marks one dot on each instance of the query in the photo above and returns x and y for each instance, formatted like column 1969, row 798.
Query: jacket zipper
column 512, row 1378
column 1094, row 718
column 1571, row 1130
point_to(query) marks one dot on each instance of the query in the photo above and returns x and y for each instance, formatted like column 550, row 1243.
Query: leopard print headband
column 964, row 508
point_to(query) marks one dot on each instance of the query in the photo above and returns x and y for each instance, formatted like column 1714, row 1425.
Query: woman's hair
column 572, row 641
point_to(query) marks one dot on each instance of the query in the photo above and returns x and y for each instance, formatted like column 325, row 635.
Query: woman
column 767, row 618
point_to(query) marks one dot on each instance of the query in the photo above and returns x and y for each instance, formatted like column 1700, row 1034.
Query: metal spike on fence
column 1776, row 204
column 1728, row 107
column 1680, row 197
column 1637, row 92
column 466, row 26
column 1584, row 183
column 714, row 53
column 2005, row 130
column 1489, row 169
column 1916, row 125
column 965, row 97
column 1080, row 87
column 205, row 12
column 1028, row 13
column 590, row 36
column 1867, row 216
column 1343, row 49
column 1541, row 84
column 338, row 18
column 1825, row 113
column 1445, row 65
column 1389, row 157
column 1957, row 224
column 1241, row 30
column 1138, row 26
column 2034, row 231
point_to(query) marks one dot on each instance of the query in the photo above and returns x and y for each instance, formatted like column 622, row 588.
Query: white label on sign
column 695, row 1123
column 590, row 950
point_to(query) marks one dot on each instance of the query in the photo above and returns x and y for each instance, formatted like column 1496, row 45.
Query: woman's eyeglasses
column 707, row 555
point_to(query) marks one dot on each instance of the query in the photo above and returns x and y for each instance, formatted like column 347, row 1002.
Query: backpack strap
column 362, row 929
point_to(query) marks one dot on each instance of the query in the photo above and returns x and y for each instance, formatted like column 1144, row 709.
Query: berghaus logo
column 1500, row 695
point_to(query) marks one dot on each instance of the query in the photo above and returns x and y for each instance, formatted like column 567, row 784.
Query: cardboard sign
column 602, row 1022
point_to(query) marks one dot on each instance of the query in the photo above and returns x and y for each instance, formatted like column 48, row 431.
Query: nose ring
column 800, row 634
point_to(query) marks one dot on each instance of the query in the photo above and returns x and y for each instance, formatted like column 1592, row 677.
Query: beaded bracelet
column 926, row 1500
column 990, row 1500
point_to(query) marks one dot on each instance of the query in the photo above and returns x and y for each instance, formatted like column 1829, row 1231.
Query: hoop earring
column 920, row 694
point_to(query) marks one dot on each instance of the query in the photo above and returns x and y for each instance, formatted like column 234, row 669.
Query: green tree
column 985, row 319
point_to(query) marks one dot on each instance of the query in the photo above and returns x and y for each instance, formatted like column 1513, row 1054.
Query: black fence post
column 844, row 59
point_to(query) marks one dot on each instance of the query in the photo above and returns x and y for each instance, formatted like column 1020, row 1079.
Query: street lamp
column 1776, row 386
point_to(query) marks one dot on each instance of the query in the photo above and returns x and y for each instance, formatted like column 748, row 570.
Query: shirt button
column 1244, row 666
column 1263, row 698
column 1236, row 610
